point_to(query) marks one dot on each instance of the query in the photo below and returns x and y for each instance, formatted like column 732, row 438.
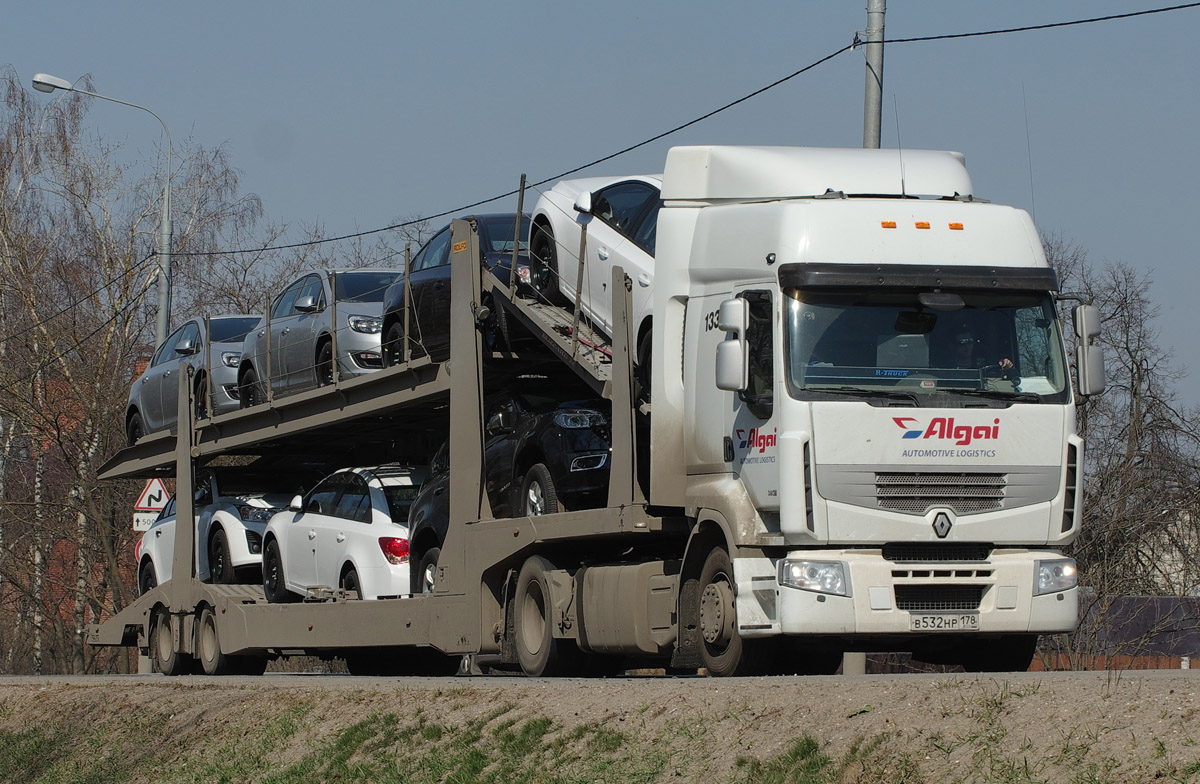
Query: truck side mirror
column 1089, row 355
column 733, row 366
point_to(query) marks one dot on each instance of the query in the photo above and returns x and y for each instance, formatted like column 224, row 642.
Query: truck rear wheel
column 538, row 651
column 721, row 647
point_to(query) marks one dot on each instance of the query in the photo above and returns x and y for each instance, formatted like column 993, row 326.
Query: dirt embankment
column 1061, row 727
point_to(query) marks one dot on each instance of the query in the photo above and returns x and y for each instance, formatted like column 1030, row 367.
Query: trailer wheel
column 721, row 647
column 166, row 659
column 209, row 646
column 1012, row 653
column 219, row 566
column 274, row 586
column 538, row 652
column 538, row 495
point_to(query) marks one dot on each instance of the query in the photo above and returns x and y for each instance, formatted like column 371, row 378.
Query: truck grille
column 921, row 552
column 915, row 493
column 939, row 598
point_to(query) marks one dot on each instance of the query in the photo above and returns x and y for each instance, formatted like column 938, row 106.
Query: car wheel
column 539, row 652
column 543, row 266
column 147, row 580
column 134, row 430
column 393, row 346
column 325, row 364
column 165, row 658
column 274, row 586
column 538, row 496
column 249, row 391
column 426, row 574
column 220, row 569
column 200, row 397
column 351, row 585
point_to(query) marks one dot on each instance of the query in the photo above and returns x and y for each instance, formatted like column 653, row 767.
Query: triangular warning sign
column 153, row 497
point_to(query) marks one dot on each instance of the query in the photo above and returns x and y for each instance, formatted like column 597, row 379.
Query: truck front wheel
column 721, row 647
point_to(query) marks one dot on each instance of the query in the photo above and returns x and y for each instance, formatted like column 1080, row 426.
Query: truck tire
column 721, row 647
column 538, row 652
column 274, row 585
column 165, row 658
column 538, row 494
column 220, row 568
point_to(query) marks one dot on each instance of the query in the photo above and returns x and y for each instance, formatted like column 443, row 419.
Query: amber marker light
column 956, row 227
column 922, row 224
column 888, row 224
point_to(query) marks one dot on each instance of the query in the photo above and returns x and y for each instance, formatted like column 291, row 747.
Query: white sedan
column 232, row 508
column 622, row 218
column 350, row 532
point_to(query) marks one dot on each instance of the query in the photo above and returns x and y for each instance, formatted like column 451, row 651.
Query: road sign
column 143, row 520
column 153, row 498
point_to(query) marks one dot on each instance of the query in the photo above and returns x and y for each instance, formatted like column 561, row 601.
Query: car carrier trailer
column 820, row 478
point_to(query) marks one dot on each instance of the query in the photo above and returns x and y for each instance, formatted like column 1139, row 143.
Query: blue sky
column 350, row 115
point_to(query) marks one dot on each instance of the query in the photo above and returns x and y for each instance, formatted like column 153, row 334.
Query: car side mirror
column 297, row 504
column 306, row 305
column 498, row 424
column 583, row 203
column 186, row 347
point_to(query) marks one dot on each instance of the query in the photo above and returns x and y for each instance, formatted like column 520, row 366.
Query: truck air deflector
column 915, row 276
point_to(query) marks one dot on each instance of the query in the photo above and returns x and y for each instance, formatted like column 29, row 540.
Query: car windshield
column 245, row 483
column 499, row 232
column 399, row 499
column 231, row 330
column 863, row 342
column 363, row 286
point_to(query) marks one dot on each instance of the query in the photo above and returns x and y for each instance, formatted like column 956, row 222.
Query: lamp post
column 47, row 84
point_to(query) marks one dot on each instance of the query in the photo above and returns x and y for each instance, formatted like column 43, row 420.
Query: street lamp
column 47, row 84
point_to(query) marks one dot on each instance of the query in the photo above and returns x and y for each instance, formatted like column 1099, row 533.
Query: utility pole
column 873, row 108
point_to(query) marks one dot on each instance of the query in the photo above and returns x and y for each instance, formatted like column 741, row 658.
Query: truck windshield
column 859, row 342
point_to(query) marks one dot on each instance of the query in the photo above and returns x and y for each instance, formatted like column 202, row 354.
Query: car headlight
column 370, row 325
column 578, row 419
column 1054, row 576
column 819, row 576
column 231, row 358
column 255, row 514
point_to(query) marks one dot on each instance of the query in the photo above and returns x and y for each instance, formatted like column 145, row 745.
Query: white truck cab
column 861, row 381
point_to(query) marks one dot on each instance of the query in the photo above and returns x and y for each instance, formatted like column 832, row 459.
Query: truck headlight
column 1054, row 576
column 371, row 325
column 819, row 576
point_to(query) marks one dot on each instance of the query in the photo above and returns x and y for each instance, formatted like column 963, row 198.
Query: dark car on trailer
column 428, row 322
column 540, row 456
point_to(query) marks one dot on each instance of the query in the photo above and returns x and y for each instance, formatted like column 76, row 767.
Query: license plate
column 946, row 622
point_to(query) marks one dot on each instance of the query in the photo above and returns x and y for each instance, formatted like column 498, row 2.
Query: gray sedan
column 294, row 349
column 153, row 399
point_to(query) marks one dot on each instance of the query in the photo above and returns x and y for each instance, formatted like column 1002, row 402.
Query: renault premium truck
column 859, row 436
column 861, row 399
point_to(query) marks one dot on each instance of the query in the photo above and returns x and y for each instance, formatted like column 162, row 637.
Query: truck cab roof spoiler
column 916, row 276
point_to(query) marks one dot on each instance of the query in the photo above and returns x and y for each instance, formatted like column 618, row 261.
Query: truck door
column 753, row 423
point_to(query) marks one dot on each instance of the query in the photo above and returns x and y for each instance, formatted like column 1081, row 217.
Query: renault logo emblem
column 941, row 525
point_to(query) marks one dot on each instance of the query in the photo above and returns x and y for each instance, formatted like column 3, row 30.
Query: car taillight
column 394, row 549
